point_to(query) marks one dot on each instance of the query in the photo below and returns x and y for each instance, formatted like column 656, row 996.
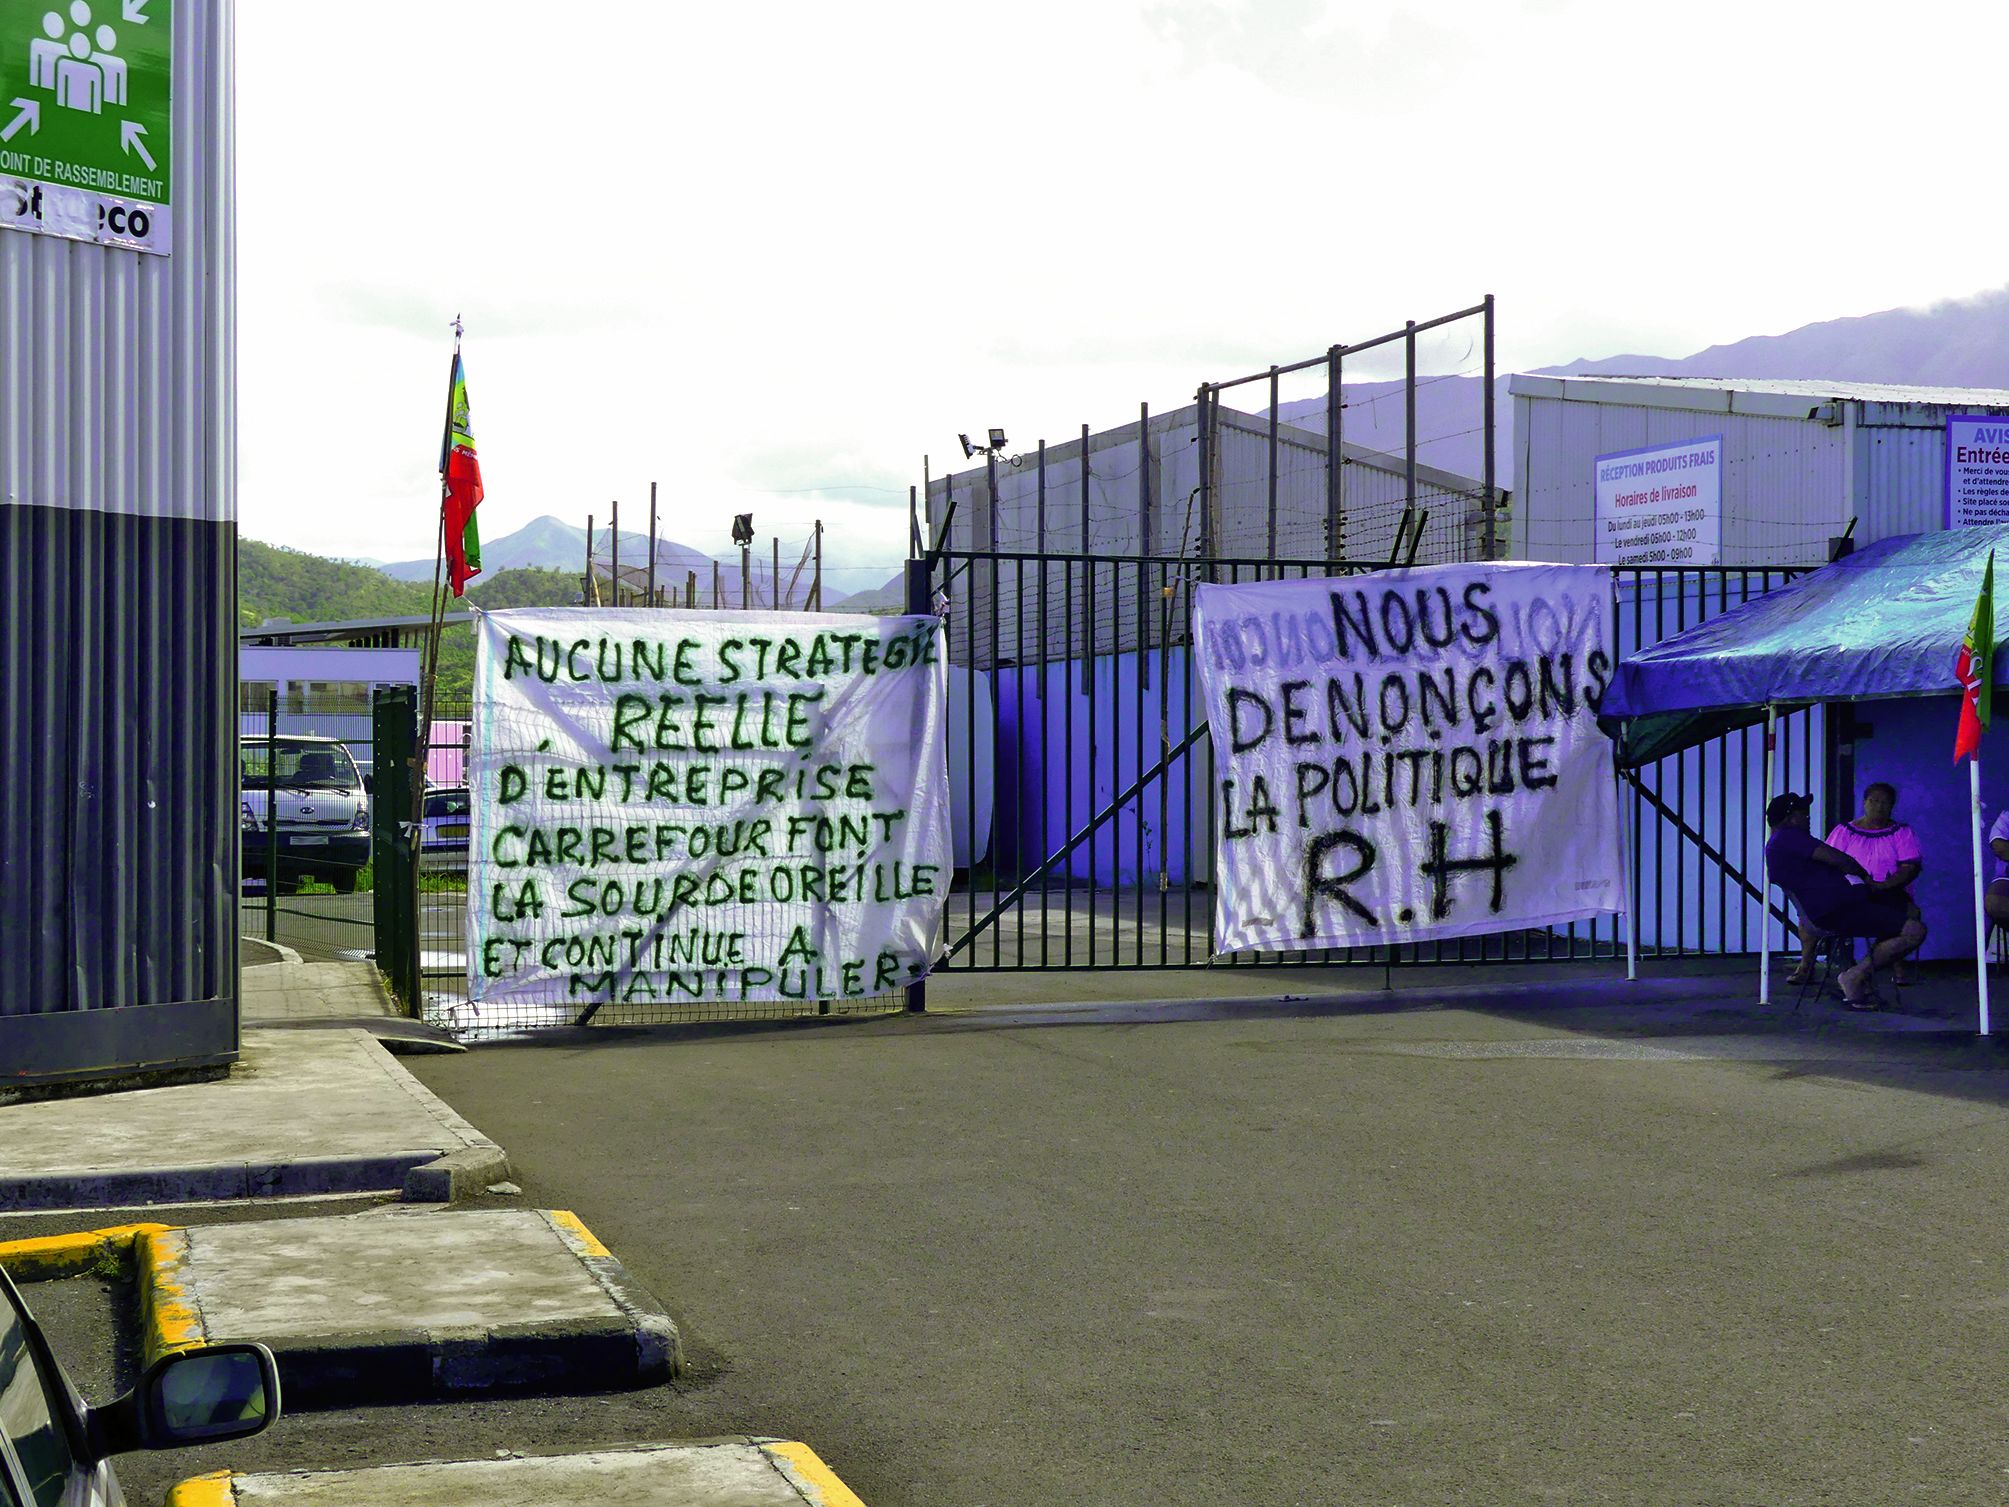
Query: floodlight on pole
column 972, row 449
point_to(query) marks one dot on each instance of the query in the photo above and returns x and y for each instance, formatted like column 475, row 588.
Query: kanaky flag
column 460, row 484
column 1975, row 670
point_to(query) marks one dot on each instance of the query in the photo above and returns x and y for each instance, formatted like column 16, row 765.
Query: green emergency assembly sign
column 85, row 93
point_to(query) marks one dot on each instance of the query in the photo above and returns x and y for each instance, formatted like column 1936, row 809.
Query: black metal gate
column 1083, row 792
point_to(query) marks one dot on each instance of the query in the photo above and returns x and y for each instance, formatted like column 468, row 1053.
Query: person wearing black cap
column 1817, row 878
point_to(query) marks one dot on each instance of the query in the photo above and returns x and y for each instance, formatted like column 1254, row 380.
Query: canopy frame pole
column 1631, row 830
column 1980, row 886
column 1765, row 861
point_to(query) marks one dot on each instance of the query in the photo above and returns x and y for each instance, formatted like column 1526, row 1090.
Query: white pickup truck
column 322, row 805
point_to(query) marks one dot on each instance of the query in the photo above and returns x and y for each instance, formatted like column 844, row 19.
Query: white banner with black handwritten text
column 1410, row 754
column 691, row 807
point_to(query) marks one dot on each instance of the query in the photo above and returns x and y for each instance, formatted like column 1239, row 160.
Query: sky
column 771, row 256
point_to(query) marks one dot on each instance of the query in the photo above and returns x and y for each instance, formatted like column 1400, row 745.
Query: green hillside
column 273, row 581
column 276, row 582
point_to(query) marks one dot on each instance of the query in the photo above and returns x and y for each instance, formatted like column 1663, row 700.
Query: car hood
column 308, row 807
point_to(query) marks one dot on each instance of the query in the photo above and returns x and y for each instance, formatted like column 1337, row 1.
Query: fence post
column 394, row 874
column 920, row 603
column 272, row 815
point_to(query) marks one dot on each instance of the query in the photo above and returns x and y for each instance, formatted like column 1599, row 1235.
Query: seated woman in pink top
column 1889, row 852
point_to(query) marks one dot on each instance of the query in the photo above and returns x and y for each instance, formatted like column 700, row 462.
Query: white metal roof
column 1798, row 397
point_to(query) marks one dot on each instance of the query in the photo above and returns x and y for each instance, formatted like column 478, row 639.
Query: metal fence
column 1084, row 793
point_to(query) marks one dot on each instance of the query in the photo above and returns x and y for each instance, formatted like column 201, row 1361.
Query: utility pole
column 816, row 582
column 614, row 554
column 774, row 581
column 590, row 596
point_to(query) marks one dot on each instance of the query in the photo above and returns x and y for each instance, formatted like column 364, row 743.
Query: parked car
column 443, row 830
column 323, row 807
column 55, row 1450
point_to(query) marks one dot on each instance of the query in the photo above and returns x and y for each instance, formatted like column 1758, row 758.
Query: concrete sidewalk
column 723, row 1473
column 312, row 1111
column 294, row 990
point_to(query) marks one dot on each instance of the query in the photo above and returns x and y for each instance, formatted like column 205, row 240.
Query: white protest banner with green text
column 693, row 807
column 1410, row 754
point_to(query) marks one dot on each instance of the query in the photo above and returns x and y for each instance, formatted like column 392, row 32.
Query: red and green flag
column 1975, row 670
column 460, row 484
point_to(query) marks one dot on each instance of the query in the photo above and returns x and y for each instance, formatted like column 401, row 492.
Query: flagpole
column 1980, row 908
column 1974, row 669
column 437, row 622
column 1765, row 865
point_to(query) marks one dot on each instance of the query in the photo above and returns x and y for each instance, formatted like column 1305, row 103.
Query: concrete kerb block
column 659, row 1348
column 212, row 1490
column 170, row 1315
column 748, row 1472
column 51, row 1256
column 457, row 1175
column 807, row 1473
column 243, row 1282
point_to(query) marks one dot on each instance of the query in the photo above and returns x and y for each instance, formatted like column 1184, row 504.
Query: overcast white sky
column 770, row 255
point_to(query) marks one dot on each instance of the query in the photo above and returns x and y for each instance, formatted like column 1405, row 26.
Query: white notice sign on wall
column 1410, row 754
column 1977, row 470
column 1662, row 505
column 681, row 807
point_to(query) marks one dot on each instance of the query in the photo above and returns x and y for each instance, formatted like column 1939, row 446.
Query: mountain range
column 549, row 543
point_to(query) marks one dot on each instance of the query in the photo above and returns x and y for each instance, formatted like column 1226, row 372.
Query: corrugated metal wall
column 118, row 507
column 1082, row 617
column 1900, row 467
column 1790, row 481
column 1784, row 479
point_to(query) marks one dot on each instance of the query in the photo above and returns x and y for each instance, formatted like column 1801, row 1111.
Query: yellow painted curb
column 49, row 1256
column 587, row 1238
column 169, row 1318
column 806, row 1469
column 212, row 1490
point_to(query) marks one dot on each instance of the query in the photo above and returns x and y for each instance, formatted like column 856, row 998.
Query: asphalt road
column 1405, row 1256
column 1366, row 1256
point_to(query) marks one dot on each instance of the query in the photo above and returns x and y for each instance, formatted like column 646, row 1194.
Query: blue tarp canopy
column 1884, row 621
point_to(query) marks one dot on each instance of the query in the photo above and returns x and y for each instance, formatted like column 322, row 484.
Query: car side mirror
column 200, row 1395
column 369, row 784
